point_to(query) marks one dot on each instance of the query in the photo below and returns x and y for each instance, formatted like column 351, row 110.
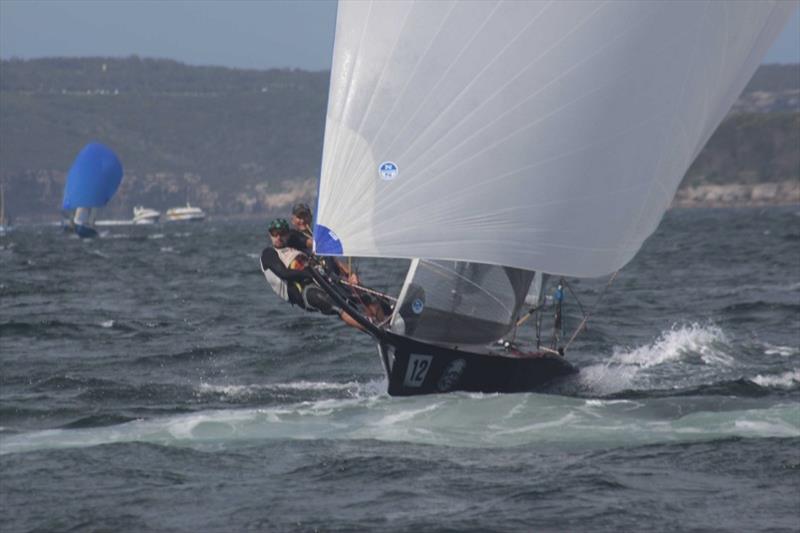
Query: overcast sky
column 235, row 33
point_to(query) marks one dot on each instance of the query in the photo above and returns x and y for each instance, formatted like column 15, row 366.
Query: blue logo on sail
column 326, row 241
column 388, row 170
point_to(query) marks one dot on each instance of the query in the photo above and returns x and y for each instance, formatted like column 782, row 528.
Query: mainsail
column 546, row 136
column 455, row 302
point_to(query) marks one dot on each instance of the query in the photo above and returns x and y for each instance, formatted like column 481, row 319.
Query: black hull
column 414, row 367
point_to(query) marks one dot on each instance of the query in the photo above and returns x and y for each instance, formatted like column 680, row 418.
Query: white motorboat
column 145, row 215
column 185, row 214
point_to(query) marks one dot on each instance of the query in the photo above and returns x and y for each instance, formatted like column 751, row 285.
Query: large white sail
column 543, row 135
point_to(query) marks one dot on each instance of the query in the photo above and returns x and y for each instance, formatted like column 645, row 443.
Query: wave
column 783, row 351
column 786, row 380
column 45, row 328
column 460, row 420
column 681, row 342
column 679, row 354
column 355, row 388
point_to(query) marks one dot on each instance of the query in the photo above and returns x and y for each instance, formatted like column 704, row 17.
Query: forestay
column 540, row 135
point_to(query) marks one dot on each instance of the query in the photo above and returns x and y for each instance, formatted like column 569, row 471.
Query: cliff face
column 239, row 142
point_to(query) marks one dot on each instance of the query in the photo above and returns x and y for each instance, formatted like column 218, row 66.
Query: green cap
column 279, row 224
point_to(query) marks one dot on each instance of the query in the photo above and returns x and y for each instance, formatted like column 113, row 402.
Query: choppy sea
column 150, row 381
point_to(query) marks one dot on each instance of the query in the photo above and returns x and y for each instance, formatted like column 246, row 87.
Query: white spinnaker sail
column 539, row 135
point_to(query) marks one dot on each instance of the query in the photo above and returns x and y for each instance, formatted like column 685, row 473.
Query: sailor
column 286, row 270
column 301, row 220
column 301, row 237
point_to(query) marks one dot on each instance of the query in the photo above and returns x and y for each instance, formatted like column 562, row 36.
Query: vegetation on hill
column 246, row 141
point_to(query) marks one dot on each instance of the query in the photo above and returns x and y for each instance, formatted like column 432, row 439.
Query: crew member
column 286, row 270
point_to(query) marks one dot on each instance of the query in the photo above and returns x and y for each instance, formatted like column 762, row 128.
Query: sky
column 236, row 33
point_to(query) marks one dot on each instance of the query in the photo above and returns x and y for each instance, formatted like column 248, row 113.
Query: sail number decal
column 418, row 366
column 388, row 170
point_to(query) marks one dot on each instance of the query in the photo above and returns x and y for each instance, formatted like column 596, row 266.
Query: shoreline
column 738, row 195
column 775, row 194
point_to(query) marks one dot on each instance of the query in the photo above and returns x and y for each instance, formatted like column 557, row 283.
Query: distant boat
column 185, row 214
column 93, row 179
column 5, row 225
column 145, row 215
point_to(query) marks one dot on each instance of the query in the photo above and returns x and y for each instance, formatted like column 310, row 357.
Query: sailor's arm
column 271, row 261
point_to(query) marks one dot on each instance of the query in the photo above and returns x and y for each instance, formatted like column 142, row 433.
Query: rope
column 368, row 291
column 527, row 316
column 586, row 317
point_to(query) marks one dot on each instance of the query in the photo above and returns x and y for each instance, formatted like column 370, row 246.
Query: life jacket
column 292, row 258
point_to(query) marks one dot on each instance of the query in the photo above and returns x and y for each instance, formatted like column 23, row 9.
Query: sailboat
column 92, row 181
column 497, row 143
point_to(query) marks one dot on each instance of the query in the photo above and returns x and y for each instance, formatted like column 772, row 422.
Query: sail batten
column 547, row 136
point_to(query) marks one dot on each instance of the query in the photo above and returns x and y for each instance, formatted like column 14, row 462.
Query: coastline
column 734, row 195
column 738, row 195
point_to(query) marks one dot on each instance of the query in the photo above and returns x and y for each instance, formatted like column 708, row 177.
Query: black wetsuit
column 299, row 241
column 301, row 289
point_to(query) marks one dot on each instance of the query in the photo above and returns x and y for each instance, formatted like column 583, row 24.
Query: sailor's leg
column 318, row 300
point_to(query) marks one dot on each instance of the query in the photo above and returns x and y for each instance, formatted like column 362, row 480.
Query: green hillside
column 246, row 141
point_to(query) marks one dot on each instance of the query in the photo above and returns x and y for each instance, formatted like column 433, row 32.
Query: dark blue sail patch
column 93, row 178
column 326, row 242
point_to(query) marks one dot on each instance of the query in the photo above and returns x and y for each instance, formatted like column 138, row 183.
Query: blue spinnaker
column 93, row 179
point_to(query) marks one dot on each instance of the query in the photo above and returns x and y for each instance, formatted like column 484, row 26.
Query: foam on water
column 449, row 420
column 676, row 344
column 637, row 368
column 784, row 381
column 353, row 388
column 784, row 351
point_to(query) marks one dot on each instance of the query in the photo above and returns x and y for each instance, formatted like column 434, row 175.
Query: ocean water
column 150, row 381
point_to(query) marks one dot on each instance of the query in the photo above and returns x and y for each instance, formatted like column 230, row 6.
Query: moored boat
column 145, row 215
column 185, row 214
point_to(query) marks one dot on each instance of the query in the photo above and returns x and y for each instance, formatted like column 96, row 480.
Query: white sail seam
column 432, row 91
column 352, row 152
column 411, row 190
column 335, row 194
column 657, row 168
column 488, row 64
column 412, row 74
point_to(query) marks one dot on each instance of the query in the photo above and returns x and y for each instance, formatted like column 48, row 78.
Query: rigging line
column 586, row 317
column 569, row 288
column 368, row 291
column 527, row 315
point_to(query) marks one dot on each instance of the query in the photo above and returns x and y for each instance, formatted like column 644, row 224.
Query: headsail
column 93, row 178
column 545, row 136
